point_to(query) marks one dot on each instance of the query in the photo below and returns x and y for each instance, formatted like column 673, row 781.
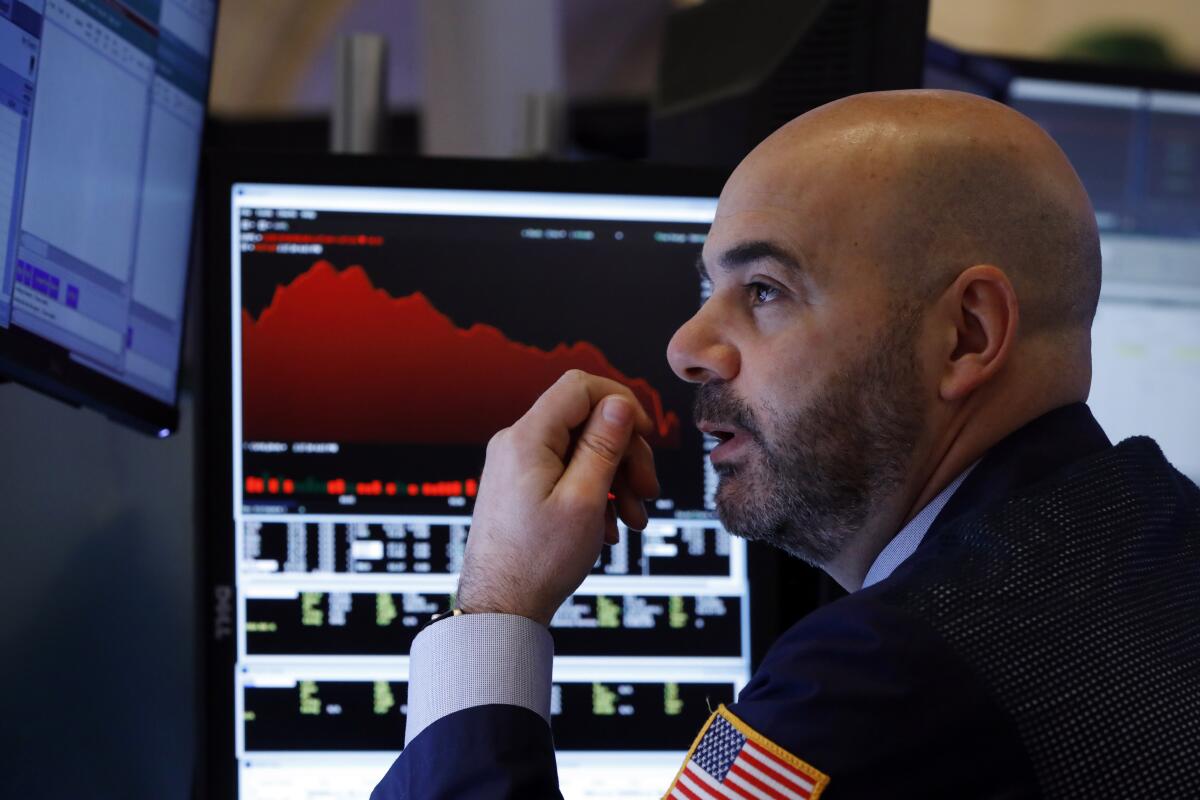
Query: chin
column 738, row 503
column 749, row 510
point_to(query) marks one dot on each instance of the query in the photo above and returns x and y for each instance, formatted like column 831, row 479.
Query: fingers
column 598, row 453
column 568, row 403
column 542, row 509
column 611, row 534
column 628, row 504
column 635, row 482
column 638, row 469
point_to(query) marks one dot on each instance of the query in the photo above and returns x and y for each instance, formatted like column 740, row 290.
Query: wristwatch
column 441, row 615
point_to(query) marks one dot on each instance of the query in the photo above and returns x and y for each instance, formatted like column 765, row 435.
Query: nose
column 700, row 352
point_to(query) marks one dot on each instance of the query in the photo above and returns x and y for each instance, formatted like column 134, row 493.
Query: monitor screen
column 380, row 336
column 101, row 109
column 1137, row 151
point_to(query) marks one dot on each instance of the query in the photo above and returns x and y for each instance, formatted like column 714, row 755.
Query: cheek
column 792, row 371
column 785, row 366
column 781, row 376
column 832, row 338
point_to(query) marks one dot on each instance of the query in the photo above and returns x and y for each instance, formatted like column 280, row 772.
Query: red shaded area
column 332, row 358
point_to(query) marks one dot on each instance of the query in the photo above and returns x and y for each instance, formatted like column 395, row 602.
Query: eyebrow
column 745, row 253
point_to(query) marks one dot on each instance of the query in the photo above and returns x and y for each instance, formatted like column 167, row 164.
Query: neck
column 962, row 437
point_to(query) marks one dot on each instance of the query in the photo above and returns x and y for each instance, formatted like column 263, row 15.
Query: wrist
column 483, row 604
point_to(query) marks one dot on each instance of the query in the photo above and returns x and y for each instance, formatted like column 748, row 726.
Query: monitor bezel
column 996, row 71
column 217, row 764
column 1098, row 73
column 47, row 367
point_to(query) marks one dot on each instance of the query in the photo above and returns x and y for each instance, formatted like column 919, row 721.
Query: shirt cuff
column 476, row 660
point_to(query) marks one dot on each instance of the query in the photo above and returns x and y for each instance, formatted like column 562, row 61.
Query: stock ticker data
column 381, row 337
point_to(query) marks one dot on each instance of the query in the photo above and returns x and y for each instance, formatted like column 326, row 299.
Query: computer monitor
column 101, row 108
column 1135, row 142
column 382, row 320
column 947, row 67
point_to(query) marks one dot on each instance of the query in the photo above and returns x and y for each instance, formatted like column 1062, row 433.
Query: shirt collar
column 904, row 543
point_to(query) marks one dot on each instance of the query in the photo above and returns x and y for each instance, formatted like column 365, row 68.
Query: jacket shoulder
column 1075, row 602
column 871, row 695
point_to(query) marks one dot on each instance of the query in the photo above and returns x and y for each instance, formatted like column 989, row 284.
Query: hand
column 543, row 513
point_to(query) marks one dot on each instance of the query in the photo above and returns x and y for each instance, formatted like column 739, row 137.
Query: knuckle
column 601, row 445
column 497, row 440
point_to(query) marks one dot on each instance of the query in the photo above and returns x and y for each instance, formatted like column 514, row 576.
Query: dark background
column 97, row 616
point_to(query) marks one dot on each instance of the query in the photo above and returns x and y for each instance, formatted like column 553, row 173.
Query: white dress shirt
column 486, row 659
column 905, row 543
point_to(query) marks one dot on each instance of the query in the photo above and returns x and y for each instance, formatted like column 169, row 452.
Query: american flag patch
column 729, row 759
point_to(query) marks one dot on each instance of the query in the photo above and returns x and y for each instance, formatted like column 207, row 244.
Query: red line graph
column 333, row 358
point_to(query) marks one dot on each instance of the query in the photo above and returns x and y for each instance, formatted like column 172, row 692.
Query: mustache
column 717, row 402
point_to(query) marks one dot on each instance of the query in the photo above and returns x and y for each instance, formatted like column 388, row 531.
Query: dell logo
column 222, row 612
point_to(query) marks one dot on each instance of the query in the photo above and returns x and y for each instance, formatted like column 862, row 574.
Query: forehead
column 782, row 205
column 821, row 196
column 826, row 188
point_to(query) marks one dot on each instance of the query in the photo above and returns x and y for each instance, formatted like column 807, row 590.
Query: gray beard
column 815, row 482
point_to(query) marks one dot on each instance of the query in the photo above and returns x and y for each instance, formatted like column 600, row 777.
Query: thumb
column 598, row 452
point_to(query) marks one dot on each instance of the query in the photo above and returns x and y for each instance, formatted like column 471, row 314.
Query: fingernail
column 617, row 411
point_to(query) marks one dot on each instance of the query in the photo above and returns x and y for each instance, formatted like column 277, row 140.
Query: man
column 895, row 357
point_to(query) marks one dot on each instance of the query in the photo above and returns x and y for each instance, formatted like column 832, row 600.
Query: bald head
column 898, row 281
column 929, row 183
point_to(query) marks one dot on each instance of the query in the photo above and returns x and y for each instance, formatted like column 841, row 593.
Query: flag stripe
column 682, row 791
column 780, row 764
column 744, row 788
column 686, row 784
column 746, row 777
column 710, row 784
column 767, row 778
column 784, row 782
column 734, row 788
column 702, row 783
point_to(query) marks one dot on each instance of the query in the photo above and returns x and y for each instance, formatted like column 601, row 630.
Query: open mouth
column 722, row 435
column 722, row 432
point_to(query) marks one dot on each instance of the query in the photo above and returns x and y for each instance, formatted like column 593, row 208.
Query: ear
column 983, row 314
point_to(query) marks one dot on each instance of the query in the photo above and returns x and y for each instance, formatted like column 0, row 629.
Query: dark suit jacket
column 1043, row 641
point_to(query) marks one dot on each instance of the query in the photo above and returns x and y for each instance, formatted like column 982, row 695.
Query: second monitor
column 379, row 336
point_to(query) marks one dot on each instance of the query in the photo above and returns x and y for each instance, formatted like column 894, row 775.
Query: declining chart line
column 333, row 358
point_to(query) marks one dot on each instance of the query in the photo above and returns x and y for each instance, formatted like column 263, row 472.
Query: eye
column 761, row 293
